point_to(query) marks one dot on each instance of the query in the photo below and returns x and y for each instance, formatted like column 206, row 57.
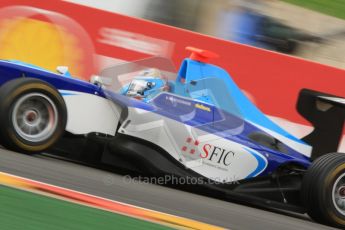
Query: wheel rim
column 338, row 194
column 35, row 117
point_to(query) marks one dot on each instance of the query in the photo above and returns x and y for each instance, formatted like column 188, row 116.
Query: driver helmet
column 146, row 85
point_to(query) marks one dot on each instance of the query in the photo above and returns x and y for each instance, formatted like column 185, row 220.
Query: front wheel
column 33, row 115
column 323, row 190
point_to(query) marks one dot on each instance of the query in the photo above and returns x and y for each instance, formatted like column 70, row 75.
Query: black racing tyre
column 323, row 190
column 33, row 115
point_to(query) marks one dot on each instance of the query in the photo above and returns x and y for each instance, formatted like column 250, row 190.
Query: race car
column 195, row 124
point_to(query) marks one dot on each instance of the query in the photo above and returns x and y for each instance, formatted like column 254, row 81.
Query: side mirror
column 96, row 80
column 62, row 69
column 151, row 84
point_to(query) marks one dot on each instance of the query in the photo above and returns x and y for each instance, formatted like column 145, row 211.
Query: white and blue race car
column 195, row 124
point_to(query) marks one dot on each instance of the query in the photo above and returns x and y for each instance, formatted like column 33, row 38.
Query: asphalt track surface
column 116, row 187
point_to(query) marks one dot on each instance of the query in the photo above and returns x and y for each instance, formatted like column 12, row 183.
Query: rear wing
column 327, row 114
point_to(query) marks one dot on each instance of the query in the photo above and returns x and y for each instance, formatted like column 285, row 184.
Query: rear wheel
column 323, row 190
column 33, row 115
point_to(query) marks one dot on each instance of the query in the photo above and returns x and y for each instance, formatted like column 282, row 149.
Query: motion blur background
column 311, row 29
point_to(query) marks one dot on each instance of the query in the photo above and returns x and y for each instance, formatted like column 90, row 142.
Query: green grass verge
column 25, row 210
column 334, row 8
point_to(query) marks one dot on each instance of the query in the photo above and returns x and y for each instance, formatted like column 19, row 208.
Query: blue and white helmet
column 146, row 85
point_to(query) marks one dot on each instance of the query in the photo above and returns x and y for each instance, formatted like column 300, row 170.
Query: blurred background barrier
column 75, row 33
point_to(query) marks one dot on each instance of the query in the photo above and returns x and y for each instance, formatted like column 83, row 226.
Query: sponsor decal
column 202, row 107
column 216, row 156
column 175, row 101
column 220, row 157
